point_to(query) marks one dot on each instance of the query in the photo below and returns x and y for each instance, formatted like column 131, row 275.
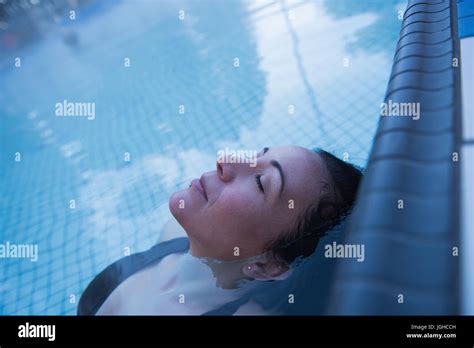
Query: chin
column 173, row 204
column 182, row 215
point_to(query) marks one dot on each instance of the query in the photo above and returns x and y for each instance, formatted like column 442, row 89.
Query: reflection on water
column 168, row 94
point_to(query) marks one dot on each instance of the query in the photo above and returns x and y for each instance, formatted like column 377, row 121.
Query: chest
column 161, row 289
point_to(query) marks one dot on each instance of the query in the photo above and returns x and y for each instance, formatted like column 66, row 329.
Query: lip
column 199, row 185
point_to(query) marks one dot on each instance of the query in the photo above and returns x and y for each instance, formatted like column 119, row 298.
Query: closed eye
column 259, row 182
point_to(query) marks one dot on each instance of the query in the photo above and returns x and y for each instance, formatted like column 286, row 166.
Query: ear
column 266, row 270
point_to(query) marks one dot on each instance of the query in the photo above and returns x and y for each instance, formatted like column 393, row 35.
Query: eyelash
column 259, row 183
column 257, row 177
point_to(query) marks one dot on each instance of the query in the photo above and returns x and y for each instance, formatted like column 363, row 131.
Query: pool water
column 169, row 92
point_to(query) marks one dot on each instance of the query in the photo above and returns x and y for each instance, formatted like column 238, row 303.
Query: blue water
column 291, row 55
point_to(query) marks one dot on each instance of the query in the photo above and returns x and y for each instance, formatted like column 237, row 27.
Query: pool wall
column 407, row 215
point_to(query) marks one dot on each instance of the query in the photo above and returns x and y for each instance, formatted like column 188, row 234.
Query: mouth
column 199, row 185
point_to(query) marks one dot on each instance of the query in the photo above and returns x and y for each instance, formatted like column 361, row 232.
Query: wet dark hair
column 335, row 203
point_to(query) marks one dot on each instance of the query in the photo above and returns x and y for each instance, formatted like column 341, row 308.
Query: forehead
column 304, row 171
column 300, row 159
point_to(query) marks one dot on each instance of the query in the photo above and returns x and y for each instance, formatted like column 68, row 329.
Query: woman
column 244, row 224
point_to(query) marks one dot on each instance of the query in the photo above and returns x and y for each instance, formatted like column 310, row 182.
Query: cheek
column 238, row 219
column 237, row 206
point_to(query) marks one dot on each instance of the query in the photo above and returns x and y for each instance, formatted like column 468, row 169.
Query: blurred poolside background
column 311, row 73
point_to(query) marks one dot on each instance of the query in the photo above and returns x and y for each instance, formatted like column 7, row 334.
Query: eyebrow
column 277, row 165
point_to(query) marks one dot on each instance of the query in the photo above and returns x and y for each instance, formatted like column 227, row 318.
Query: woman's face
column 229, row 216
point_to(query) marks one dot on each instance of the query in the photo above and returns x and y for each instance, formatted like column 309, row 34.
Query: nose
column 229, row 171
column 225, row 171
